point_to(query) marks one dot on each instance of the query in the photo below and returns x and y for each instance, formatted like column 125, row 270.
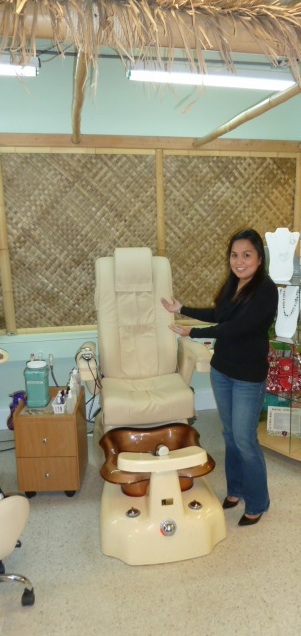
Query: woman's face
column 244, row 260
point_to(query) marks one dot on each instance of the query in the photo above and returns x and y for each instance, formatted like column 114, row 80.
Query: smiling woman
column 244, row 310
column 244, row 261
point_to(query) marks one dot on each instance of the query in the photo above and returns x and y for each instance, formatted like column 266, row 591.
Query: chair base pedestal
column 164, row 526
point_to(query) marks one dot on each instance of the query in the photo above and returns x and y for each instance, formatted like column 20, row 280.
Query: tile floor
column 249, row 585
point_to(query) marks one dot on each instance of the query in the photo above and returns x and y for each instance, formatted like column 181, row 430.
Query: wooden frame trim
column 48, row 143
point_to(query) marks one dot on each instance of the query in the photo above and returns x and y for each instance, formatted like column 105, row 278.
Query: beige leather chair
column 146, row 369
column 14, row 512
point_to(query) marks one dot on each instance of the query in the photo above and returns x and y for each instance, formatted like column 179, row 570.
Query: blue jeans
column 239, row 404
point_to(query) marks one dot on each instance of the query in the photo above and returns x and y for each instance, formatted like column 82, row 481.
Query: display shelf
column 289, row 446
column 285, row 388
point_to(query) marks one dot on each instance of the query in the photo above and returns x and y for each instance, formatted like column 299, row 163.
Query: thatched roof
column 131, row 27
column 150, row 29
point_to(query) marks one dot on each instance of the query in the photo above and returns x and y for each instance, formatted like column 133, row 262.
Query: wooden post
column 5, row 269
column 297, row 203
column 160, row 204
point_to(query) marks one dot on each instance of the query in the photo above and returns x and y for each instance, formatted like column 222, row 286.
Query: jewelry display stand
column 280, row 428
column 288, row 311
column 282, row 246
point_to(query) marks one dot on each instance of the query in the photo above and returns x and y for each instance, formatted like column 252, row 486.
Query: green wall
column 121, row 107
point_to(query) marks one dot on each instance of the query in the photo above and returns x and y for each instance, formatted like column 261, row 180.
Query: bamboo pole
column 236, row 31
column 81, row 72
column 297, row 202
column 250, row 113
column 5, row 269
column 161, row 246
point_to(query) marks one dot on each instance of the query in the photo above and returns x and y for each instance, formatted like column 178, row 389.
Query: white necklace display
column 288, row 311
column 282, row 246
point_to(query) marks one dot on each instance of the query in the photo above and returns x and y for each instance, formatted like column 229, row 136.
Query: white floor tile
column 249, row 585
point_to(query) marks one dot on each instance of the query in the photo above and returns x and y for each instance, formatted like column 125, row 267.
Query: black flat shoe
column 229, row 504
column 246, row 521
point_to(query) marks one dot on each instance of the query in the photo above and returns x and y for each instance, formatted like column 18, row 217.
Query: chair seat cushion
column 157, row 400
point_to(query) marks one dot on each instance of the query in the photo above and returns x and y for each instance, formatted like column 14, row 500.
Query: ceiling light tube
column 9, row 69
column 271, row 82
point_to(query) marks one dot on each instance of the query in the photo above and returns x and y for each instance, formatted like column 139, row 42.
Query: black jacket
column 242, row 343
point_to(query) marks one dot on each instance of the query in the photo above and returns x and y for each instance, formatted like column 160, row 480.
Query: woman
column 244, row 310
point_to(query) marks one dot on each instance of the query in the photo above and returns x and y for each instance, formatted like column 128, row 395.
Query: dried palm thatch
column 142, row 27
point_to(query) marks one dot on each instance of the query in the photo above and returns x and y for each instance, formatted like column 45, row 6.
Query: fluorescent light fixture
column 273, row 80
column 8, row 68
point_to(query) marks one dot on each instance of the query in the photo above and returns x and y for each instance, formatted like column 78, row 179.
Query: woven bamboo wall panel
column 63, row 211
column 210, row 198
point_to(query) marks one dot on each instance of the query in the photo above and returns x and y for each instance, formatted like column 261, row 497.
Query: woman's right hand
column 174, row 307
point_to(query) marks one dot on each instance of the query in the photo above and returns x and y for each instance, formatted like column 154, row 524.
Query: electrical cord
column 96, row 379
column 53, row 377
column 97, row 385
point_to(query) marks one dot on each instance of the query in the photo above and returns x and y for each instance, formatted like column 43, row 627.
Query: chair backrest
column 14, row 512
column 133, row 334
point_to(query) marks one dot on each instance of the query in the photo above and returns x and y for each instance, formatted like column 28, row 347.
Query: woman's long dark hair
column 230, row 285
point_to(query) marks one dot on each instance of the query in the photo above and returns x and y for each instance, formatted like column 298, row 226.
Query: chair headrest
column 133, row 269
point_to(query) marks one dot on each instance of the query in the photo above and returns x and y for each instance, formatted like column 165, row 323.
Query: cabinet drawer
column 47, row 474
column 45, row 439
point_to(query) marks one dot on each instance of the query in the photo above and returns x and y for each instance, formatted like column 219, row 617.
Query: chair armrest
column 192, row 356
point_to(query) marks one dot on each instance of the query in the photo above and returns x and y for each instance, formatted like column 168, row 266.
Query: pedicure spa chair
column 157, row 505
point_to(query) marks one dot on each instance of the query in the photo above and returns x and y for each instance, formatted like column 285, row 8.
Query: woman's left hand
column 180, row 330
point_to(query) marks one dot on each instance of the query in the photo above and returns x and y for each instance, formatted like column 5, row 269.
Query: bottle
column 77, row 378
column 74, row 388
column 17, row 397
column 70, row 403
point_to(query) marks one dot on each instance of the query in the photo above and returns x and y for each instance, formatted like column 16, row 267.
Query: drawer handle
column 47, row 475
column 45, row 440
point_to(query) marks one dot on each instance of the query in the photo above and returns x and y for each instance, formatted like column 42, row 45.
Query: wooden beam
column 115, row 144
column 160, row 204
column 250, row 113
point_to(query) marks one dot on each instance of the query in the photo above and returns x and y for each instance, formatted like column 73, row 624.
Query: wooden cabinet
column 51, row 450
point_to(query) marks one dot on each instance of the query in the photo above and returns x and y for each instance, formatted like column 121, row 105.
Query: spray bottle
column 17, row 397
